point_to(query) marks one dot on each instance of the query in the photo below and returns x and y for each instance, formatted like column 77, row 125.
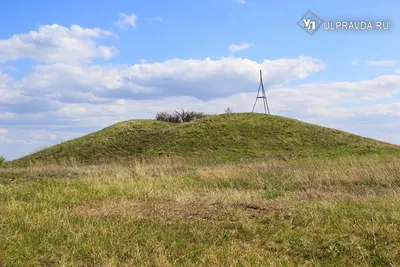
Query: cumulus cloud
column 204, row 79
column 381, row 87
column 126, row 21
column 240, row 1
column 239, row 47
column 8, row 88
column 56, row 43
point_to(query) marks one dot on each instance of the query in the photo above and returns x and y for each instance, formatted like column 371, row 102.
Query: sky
column 70, row 68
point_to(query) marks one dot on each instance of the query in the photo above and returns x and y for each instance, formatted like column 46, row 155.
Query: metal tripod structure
column 263, row 96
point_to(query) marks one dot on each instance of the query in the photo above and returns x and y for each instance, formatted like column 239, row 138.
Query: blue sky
column 67, row 69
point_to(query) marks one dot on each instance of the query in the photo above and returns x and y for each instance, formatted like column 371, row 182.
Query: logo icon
column 310, row 22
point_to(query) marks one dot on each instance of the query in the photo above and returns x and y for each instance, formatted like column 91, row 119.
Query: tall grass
column 188, row 212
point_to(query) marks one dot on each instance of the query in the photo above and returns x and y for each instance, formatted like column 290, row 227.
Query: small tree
column 2, row 160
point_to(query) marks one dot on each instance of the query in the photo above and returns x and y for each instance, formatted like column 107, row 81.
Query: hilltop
column 227, row 137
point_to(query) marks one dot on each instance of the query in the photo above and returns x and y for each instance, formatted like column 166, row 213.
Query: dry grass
column 175, row 212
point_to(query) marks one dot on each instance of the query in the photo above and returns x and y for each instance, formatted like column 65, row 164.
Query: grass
column 222, row 138
column 227, row 190
column 173, row 211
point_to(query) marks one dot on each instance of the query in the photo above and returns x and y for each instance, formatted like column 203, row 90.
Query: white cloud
column 42, row 135
column 3, row 132
column 384, row 63
column 204, row 79
column 125, row 21
column 240, row 1
column 56, row 43
column 157, row 19
column 120, row 102
column 7, row 68
column 22, row 141
column 9, row 91
column 239, row 47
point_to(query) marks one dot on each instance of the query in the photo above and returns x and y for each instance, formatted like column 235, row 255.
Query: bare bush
column 180, row 117
column 164, row 116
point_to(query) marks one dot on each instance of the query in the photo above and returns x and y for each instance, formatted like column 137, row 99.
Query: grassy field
column 174, row 211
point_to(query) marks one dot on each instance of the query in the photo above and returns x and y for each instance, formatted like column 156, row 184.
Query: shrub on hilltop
column 180, row 117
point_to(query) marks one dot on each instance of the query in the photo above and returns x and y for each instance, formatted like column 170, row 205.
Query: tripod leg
column 256, row 98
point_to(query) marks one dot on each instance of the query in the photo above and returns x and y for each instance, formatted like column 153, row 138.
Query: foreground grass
column 166, row 212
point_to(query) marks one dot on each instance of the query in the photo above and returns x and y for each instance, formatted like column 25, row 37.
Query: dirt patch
column 174, row 210
column 166, row 210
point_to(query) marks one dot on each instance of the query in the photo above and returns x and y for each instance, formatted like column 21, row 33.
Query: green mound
column 227, row 137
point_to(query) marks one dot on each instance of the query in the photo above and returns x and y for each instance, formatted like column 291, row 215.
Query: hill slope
column 227, row 137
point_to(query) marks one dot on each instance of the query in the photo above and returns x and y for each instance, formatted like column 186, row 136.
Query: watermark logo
column 310, row 23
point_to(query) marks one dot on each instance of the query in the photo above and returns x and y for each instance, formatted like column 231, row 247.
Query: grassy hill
column 226, row 137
